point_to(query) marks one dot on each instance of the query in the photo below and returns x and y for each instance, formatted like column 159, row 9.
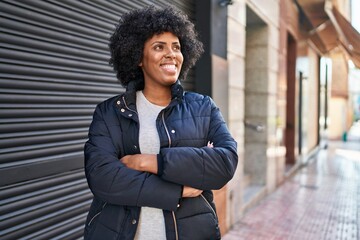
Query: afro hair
column 136, row 27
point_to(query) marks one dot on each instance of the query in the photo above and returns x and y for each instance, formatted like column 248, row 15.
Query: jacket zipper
column 169, row 138
column 166, row 129
column 175, row 223
column 123, row 98
column 92, row 219
column 207, row 203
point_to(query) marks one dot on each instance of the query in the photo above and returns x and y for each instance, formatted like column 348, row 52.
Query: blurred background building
column 284, row 73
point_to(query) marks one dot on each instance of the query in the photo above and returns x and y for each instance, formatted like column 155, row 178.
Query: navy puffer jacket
column 184, row 127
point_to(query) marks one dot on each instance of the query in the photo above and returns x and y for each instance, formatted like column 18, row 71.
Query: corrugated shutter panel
column 53, row 71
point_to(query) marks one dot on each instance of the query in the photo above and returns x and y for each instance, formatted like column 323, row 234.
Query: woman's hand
column 191, row 192
column 141, row 162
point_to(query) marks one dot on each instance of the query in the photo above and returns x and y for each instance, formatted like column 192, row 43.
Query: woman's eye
column 177, row 47
column 158, row 47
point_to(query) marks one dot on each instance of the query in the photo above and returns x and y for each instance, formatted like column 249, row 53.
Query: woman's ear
column 140, row 64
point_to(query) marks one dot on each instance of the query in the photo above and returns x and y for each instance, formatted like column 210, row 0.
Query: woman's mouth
column 171, row 68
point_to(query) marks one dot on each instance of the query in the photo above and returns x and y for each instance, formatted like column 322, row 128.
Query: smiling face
column 162, row 60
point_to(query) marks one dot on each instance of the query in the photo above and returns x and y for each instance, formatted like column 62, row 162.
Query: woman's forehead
column 164, row 36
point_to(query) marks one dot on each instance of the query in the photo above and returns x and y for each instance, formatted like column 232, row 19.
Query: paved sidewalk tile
column 322, row 201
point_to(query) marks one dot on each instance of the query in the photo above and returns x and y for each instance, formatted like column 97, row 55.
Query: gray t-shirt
column 151, row 223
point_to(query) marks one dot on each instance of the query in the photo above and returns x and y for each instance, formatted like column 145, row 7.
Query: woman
column 155, row 152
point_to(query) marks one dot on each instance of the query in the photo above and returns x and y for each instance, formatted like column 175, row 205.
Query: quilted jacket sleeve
column 203, row 168
column 112, row 182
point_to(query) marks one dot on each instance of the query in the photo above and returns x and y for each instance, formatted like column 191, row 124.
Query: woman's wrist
column 149, row 163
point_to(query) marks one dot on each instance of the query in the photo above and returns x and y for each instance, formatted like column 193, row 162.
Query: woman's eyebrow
column 157, row 42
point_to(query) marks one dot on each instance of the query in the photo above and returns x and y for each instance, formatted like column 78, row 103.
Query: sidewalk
column 321, row 201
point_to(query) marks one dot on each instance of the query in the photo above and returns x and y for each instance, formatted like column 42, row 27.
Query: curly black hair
column 137, row 26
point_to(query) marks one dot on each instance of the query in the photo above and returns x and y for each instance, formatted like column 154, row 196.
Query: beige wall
column 311, row 110
column 338, row 105
column 236, row 66
column 337, row 118
column 268, row 11
column 339, row 86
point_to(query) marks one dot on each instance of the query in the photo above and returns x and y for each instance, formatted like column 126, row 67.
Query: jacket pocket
column 94, row 212
column 109, row 222
column 209, row 205
column 96, row 215
column 197, row 219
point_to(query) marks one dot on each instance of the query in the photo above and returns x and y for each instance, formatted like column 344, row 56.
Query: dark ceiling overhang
column 329, row 29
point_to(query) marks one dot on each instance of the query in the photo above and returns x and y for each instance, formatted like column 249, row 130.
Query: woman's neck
column 160, row 97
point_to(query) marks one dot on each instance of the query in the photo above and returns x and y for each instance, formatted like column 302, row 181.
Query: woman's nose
column 170, row 53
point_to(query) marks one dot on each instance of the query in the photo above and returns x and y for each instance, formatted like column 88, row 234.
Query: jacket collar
column 177, row 92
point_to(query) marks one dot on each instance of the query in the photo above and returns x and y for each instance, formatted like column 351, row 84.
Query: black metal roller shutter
column 53, row 71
